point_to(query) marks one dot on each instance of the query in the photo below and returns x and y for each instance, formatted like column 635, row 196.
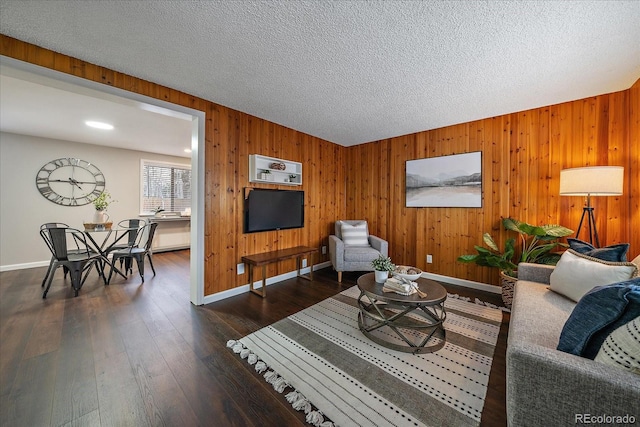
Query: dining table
column 99, row 238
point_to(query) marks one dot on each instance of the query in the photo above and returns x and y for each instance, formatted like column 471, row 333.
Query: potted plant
column 266, row 175
column 101, row 203
column 382, row 266
column 536, row 246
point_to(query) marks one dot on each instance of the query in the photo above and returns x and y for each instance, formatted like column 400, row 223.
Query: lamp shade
column 592, row 180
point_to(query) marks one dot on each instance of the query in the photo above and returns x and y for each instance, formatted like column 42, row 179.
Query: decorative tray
column 94, row 226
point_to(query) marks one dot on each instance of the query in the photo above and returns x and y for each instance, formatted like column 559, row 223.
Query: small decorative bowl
column 407, row 272
column 279, row 166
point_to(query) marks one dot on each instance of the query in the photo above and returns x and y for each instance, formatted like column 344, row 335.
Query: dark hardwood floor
column 134, row 354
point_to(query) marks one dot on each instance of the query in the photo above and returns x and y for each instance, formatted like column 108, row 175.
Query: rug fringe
column 298, row 401
column 295, row 398
column 478, row 302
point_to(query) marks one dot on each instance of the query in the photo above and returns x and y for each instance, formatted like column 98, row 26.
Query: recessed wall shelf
column 269, row 170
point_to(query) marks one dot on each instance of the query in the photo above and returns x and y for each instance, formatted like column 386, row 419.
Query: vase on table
column 100, row 217
column 381, row 276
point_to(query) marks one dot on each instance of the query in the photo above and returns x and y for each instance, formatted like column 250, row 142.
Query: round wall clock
column 70, row 182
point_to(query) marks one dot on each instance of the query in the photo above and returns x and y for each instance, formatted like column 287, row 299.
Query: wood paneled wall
column 230, row 137
column 522, row 155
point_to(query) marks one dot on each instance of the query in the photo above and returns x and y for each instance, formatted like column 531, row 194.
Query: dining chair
column 77, row 249
column 76, row 261
column 130, row 228
column 138, row 251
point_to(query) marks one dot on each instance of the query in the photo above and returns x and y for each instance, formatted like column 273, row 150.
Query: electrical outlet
column 324, row 250
column 240, row 268
column 429, row 259
column 304, row 263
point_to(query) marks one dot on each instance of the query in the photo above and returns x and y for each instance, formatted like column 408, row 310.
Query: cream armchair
column 353, row 249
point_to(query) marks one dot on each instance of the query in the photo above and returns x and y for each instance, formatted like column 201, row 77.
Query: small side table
column 422, row 332
column 266, row 258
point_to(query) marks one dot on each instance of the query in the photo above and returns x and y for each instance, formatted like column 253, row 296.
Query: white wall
column 23, row 209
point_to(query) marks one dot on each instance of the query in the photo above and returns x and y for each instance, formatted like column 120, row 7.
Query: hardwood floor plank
column 165, row 403
column 252, row 393
column 46, row 333
column 207, row 397
column 18, row 315
column 91, row 419
column 29, row 403
column 105, row 335
column 119, row 397
column 75, row 393
column 14, row 337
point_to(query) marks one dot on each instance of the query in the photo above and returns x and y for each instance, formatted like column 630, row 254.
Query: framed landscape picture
column 445, row 182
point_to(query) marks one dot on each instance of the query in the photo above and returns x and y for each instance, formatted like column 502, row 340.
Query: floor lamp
column 591, row 181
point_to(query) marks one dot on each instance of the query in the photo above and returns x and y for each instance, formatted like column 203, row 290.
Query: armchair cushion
column 360, row 254
column 355, row 234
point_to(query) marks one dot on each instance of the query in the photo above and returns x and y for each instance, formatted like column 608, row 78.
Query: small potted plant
column 101, row 203
column 292, row 177
column 382, row 266
column 266, row 175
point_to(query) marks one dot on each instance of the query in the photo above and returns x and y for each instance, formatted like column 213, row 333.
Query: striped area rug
column 328, row 368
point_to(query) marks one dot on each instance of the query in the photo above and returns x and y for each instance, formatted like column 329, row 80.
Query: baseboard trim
column 11, row 267
column 463, row 282
column 218, row 296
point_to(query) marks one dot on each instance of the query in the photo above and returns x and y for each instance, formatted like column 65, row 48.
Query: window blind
column 165, row 186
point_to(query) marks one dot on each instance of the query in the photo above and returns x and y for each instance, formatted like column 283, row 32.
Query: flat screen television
column 266, row 210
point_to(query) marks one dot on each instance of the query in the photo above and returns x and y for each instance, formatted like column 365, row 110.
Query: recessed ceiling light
column 99, row 125
column 187, row 150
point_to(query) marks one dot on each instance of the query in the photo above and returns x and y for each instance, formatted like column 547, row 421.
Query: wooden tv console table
column 274, row 256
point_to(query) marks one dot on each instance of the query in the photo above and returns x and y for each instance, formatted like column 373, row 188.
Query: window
column 165, row 186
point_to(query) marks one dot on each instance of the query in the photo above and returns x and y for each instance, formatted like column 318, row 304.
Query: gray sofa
column 547, row 387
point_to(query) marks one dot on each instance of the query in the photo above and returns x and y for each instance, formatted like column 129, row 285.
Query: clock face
column 70, row 182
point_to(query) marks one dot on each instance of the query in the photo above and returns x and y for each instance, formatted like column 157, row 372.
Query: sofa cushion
column 615, row 253
column 622, row 347
column 576, row 274
column 355, row 235
column 597, row 314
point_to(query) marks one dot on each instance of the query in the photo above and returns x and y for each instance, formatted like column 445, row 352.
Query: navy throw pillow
column 614, row 253
column 598, row 313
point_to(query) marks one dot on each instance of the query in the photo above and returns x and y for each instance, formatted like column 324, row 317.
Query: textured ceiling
column 352, row 71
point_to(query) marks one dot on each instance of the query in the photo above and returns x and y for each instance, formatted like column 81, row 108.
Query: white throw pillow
column 577, row 274
column 622, row 347
column 355, row 235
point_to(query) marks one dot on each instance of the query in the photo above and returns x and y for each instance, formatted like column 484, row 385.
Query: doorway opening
column 66, row 82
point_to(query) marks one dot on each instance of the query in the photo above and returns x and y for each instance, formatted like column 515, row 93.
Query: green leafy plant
column 537, row 242
column 103, row 201
column 383, row 263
